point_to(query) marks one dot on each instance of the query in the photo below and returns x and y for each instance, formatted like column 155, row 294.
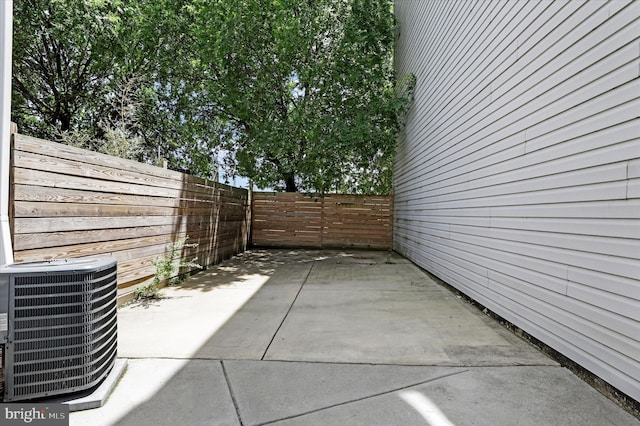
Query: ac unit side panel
column 4, row 307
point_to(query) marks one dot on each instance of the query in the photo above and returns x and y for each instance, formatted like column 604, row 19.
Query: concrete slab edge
column 99, row 395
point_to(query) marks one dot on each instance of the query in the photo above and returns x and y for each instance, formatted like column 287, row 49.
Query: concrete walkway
column 332, row 338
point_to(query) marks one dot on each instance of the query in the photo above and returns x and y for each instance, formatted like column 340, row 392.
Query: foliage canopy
column 293, row 94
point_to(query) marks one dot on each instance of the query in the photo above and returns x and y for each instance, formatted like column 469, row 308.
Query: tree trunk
column 290, row 182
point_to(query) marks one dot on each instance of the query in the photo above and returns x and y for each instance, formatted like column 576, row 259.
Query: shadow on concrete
column 294, row 337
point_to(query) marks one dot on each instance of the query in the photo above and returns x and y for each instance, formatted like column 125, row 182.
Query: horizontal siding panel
column 426, row 239
column 621, row 247
column 488, row 110
column 502, row 157
column 600, row 262
column 634, row 167
column 583, row 326
column 558, row 165
column 624, row 287
column 620, row 209
column 633, row 188
column 616, row 228
column 544, row 312
column 612, row 302
column 621, row 114
column 573, row 311
column 519, row 183
column 585, row 193
column 600, row 211
column 517, row 176
column 632, row 36
column 531, row 320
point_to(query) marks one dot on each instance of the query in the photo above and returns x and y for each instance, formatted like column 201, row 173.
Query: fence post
column 322, row 220
column 249, row 218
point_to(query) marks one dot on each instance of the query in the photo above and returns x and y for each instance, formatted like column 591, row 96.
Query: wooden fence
column 329, row 221
column 69, row 202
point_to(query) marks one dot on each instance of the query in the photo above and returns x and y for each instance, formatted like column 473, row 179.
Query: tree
column 173, row 119
column 103, row 75
column 299, row 93
column 307, row 86
column 63, row 57
column 117, row 129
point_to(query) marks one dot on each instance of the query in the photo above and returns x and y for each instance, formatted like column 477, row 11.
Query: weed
column 168, row 267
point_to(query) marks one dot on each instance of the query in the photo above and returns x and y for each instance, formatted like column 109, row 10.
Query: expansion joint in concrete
column 232, row 393
column 304, row 281
column 351, row 401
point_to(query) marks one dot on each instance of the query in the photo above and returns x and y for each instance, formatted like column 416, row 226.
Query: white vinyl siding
column 517, row 177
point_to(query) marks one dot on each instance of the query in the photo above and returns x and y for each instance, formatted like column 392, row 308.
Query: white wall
column 6, row 43
column 517, row 179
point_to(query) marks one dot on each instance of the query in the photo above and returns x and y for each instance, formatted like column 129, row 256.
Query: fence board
column 69, row 202
column 338, row 221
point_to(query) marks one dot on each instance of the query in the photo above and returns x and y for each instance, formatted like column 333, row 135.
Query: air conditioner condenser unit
column 58, row 325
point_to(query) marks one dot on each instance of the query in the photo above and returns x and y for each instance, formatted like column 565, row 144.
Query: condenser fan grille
column 63, row 333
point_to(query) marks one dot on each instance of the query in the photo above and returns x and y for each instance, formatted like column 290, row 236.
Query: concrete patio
column 294, row 337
